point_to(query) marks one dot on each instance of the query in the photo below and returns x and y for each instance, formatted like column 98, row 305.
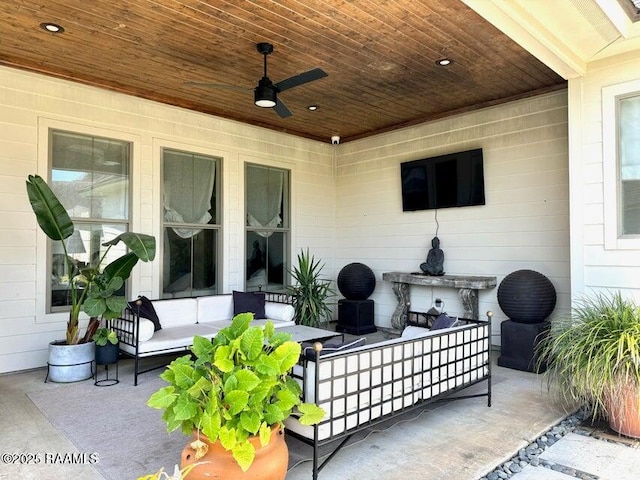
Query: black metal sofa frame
column 127, row 327
column 418, row 372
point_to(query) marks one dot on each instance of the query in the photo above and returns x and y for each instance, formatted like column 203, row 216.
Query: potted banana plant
column 92, row 289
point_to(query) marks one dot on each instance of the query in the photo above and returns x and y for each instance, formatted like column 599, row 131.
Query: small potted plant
column 233, row 395
column 310, row 293
column 107, row 346
column 593, row 359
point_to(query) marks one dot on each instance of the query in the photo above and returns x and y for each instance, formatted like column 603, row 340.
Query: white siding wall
column 29, row 103
column 524, row 224
column 346, row 203
column 594, row 266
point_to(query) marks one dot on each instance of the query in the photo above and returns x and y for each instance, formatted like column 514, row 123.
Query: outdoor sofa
column 360, row 387
column 149, row 328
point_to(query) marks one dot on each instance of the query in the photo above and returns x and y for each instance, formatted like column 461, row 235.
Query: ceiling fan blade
column 217, row 85
column 306, row 77
column 281, row 109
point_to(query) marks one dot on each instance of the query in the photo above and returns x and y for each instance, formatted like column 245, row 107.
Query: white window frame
column 287, row 230
column 160, row 145
column 613, row 237
column 43, row 244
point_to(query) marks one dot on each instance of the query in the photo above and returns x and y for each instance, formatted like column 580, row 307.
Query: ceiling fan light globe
column 265, row 97
column 265, row 103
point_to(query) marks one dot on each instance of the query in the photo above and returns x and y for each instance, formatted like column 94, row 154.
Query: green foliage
column 594, row 353
column 311, row 293
column 104, row 335
column 234, row 387
column 177, row 473
column 92, row 289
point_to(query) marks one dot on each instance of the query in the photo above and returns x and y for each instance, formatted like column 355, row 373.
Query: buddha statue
column 435, row 259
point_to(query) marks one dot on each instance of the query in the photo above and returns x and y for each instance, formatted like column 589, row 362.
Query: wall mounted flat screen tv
column 452, row 180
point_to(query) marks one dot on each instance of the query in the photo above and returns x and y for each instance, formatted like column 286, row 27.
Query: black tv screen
column 452, row 180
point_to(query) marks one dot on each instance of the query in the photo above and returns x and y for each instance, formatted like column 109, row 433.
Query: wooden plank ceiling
column 380, row 57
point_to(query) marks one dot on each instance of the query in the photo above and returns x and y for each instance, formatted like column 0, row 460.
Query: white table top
column 303, row 333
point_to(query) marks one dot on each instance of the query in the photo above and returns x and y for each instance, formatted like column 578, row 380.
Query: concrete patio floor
column 461, row 440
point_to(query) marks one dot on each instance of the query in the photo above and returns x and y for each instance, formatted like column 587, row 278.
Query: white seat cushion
column 220, row 324
column 172, row 339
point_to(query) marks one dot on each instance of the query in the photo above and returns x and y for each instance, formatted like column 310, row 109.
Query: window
column 621, row 165
column 267, row 227
column 90, row 176
column 191, row 206
column 629, row 165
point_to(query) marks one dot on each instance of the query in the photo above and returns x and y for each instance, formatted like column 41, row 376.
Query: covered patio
column 552, row 206
column 463, row 439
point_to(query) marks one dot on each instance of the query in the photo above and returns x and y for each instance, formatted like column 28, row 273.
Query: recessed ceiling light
column 52, row 27
column 313, row 108
column 443, row 62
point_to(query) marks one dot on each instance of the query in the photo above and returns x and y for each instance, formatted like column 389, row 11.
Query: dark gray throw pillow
column 146, row 310
column 249, row 302
column 444, row 321
column 331, row 346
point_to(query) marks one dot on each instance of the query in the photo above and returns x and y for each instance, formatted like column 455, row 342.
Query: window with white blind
column 192, row 224
column 267, row 227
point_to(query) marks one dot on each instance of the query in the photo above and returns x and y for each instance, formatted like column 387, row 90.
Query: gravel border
column 530, row 455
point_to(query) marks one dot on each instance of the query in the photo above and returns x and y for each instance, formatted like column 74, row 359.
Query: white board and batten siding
column 524, row 224
column 31, row 103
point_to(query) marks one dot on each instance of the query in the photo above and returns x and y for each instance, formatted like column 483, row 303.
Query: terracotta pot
column 624, row 412
column 270, row 463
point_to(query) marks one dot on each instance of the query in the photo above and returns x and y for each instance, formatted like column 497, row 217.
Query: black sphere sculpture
column 526, row 296
column 356, row 281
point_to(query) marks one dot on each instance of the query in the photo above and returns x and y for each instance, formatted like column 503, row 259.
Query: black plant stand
column 107, row 355
column 92, row 362
column 106, row 381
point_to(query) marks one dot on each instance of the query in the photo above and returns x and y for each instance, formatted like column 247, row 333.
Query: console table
column 467, row 285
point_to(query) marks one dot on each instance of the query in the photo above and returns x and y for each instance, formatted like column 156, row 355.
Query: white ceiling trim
column 530, row 34
column 619, row 18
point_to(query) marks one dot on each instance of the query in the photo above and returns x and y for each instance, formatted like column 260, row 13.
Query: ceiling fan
column 266, row 92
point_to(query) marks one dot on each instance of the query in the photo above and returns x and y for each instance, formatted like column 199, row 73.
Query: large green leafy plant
column 310, row 293
column 593, row 355
column 234, row 387
column 92, row 289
